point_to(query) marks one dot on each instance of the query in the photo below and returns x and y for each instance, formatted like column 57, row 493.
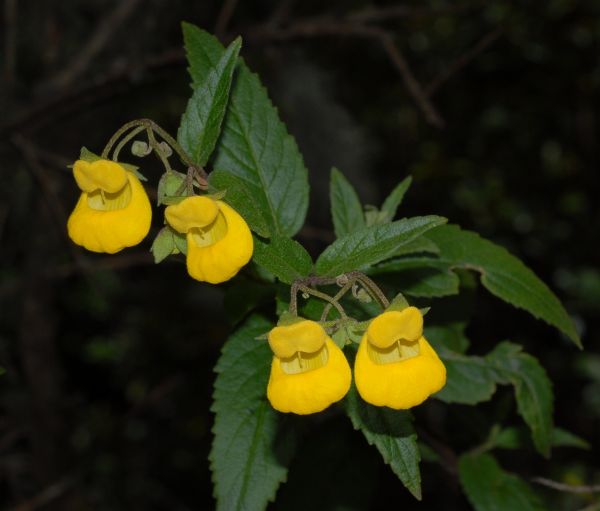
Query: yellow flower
column 113, row 211
column 395, row 365
column 309, row 372
column 219, row 241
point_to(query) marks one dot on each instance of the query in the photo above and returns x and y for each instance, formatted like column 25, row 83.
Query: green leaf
column 163, row 244
column 517, row 438
column 394, row 199
column 346, row 210
column 469, row 379
column 201, row 122
column 415, row 279
column 392, row 433
column 255, row 145
column 418, row 245
column 203, row 52
column 283, row 257
column 533, row 390
column 502, row 274
column 450, row 336
column 563, row 438
column 250, row 455
column 241, row 198
column 489, row 488
column 372, row 245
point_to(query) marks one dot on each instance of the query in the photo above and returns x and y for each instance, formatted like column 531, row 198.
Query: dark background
column 492, row 107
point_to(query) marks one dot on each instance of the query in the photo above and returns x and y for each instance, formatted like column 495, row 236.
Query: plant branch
column 95, row 44
column 463, row 61
column 319, row 27
column 569, row 488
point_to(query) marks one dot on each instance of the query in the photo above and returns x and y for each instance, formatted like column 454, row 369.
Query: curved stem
column 117, row 135
column 158, row 150
column 176, row 147
column 336, row 298
column 325, row 297
column 371, row 288
column 125, row 140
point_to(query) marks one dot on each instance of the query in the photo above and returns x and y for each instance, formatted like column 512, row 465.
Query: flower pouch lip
column 395, row 365
column 219, row 241
column 113, row 211
column 309, row 372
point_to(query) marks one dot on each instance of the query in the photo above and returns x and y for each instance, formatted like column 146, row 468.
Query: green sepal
column 349, row 331
column 169, row 185
column 399, row 303
column 134, row 170
column 180, row 241
column 171, row 201
column 163, row 245
column 86, row 155
column 287, row 319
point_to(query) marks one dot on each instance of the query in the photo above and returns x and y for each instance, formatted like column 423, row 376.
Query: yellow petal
column 111, row 230
column 99, row 175
column 393, row 326
column 221, row 260
column 193, row 212
column 400, row 385
column 311, row 391
column 305, row 336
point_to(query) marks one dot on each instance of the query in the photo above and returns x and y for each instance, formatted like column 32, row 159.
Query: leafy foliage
column 533, row 390
column 490, row 488
column 372, row 245
column 346, row 209
column 283, row 257
column 501, row 273
column 394, row 199
column 250, row 455
column 201, row 122
column 392, row 433
column 255, row 146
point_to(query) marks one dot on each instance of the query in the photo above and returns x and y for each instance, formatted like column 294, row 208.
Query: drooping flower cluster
column 395, row 365
column 113, row 212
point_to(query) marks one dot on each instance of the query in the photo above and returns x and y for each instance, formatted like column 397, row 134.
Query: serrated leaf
column 163, row 244
column 502, row 274
column 255, row 145
column 249, row 456
column 394, row 199
column 371, row 245
column 533, row 390
column 201, row 122
column 489, row 488
column 283, row 257
column 203, row 52
column 469, row 379
column 416, row 279
column 346, row 209
column 241, row 197
column 392, row 433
